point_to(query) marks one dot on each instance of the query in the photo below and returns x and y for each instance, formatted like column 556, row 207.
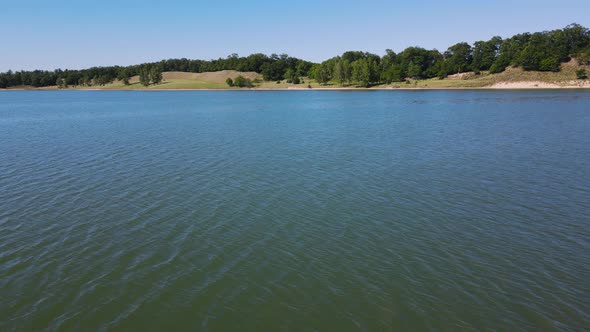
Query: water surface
column 299, row 211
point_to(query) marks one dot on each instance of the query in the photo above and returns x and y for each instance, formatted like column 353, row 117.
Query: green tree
column 390, row 70
column 389, row 59
column 229, row 82
column 242, row 82
column 581, row 74
column 578, row 38
column 102, row 80
column 392, row 74
column 539, row 55
column 86, row 81
column 485, row 53
column 342, row 71
column 414, row 71
column 123, row 75
column 417, row 62
column 156, row 75
column 274, row 70
column 303, row 68
column 61, row 83
column 583, row 56
column 289, row 74
column 324, row 73
column 510, row 52
column 549, row 64
column 361, row 72
column 458, row 58
column 144, row 77
column 374, row 70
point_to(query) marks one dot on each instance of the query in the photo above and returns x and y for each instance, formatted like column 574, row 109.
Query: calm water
column 299, row 211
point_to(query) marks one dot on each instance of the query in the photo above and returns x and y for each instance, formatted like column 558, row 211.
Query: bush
column 497, row 68
column 144, row 78
column 229, row 82
column 61, row 83
column 242, row 82
column 584, row 57
column 581, row 74
column 549, row 64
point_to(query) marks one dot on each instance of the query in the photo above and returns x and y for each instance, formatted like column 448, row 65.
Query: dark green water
column 298, row 211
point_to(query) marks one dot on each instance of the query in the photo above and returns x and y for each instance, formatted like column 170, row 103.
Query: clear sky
column 42, row 34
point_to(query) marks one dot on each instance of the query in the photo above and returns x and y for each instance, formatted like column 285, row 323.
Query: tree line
column 541, row 51
column 272, row 67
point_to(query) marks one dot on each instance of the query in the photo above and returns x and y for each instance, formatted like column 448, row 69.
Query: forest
column 540, row 51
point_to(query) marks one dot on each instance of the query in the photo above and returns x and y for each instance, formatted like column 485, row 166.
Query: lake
column 295, row 210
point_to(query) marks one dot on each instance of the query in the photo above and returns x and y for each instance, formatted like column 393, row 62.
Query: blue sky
column 79, row 34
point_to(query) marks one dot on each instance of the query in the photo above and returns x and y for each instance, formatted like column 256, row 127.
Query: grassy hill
column 564, row 78
column 181, row 80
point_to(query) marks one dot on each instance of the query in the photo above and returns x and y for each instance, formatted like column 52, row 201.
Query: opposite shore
column 511, row 78
column 524, row 85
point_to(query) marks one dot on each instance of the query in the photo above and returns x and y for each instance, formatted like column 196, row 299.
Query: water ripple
column 281, row 211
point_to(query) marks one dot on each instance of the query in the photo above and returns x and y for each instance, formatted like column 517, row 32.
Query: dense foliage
column 541, row 51
column 240, row 82
column 271, row 67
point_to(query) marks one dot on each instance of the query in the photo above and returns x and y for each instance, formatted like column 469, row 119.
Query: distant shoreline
column 510, row 79
column 586, row 87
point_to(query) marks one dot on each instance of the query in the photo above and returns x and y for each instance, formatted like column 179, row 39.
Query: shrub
column 496, row 68
column 549, row 64
column 242, row 82
column 581, row 74
column 584, row 57
column 229, row 82
column 61, row 83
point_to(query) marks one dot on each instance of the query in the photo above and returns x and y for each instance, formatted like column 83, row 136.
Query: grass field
column 166, row 85
column 181, row 81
